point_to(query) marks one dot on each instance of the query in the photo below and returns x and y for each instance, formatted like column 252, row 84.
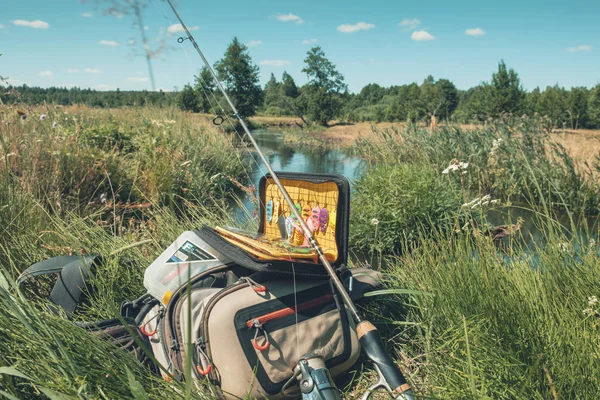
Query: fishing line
column 208, row 95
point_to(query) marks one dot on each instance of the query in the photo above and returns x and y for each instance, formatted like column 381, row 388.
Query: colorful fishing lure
column 276, row 209
column 306, row 212
column 289, row 226
column 323, row 219
column 316, row 222
column 298, row 236
column 269, row 210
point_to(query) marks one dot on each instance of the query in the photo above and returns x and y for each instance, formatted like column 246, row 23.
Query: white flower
column 592, row 301
column 42, row 117
column 102, row 198
column 456, row 165
column 54, row 124
column 375, row 221
column 563, row 247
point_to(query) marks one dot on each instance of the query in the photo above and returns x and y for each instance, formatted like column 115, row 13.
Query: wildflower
column 495, row 145
column 374, row 221
column 456, row 165
column 592, row 301
column 54, row 124
column 42, row 117
column 589, row 312
column 102, row 198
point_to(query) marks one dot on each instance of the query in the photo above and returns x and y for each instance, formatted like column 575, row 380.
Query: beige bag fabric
column 230, row 328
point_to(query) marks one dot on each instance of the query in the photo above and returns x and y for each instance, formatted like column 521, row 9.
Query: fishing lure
column 306, row 212
column 269, row 210
column 315, row 218
column 298, row 236
column 323, row 219
column 276, row 208
column 289, row 226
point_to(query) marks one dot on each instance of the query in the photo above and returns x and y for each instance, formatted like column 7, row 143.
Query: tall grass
column 513, row 160
column 497, row 327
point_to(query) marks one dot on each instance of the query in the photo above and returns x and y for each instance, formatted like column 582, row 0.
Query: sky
column 394, row 42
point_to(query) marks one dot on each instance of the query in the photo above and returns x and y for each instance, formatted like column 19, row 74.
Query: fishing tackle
column 276, row 208
column 269, row 210
column 323, row 219
column 368, row 335
column 316, row 221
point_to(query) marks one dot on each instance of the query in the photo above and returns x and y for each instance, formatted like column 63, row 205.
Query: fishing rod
column 390, row 376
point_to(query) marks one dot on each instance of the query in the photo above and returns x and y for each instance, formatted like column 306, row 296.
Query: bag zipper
column 284, row 312
column 170, row 335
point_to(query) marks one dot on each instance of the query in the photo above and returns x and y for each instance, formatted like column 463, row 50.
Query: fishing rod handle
column 371, row 343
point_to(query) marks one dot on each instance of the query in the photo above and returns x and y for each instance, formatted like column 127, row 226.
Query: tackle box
column 323, row 201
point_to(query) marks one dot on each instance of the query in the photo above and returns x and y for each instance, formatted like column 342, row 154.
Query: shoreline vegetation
column 483, row 319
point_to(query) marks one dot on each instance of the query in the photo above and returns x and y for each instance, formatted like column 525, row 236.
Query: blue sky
column 70, row 42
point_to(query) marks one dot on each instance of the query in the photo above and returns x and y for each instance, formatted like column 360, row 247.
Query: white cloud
column 46, row 74
column 111, row 43
column 359, row 26
column 409, row 24
column 146, row 27
column 102, row 86
column 275, row 63
column 584, row 47
column 73, row 70
column 421, row 36
column 310, row 41
column 93, row 71
column 87, row 15
column 253, row 43
column 475, row 32
column 138, row 79
column 290, row 18
column 177, row 28
column 1, row 26
column 32, row 24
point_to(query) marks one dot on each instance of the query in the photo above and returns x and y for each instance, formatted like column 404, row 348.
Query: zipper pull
column 258, row 288
column 259, row 327
column 200, row 347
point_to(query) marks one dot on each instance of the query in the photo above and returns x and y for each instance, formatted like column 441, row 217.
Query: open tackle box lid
column 322, row 199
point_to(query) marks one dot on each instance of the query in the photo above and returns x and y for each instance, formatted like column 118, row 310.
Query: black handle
column 373, row 347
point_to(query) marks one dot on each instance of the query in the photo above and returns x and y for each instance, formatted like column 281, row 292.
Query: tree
column 322, row 73
column 552, row 104
column 288, row 86
column 187, row 100
column 324, row 87
column 577, row 101
column 593, row 109
column 206, row 89
column 240, row 77
column 507, row 93
column 272, row 93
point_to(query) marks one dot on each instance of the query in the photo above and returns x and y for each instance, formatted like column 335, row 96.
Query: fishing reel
column 314, row 379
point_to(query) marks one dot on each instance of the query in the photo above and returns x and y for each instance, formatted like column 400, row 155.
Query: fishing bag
column 248, row 321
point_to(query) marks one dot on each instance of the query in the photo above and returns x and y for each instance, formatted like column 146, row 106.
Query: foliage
column 187, row 100
column 593, row 109
column 240, row 77
column 206, row 90
column 510, row 159
column 507, row 92
column 393, row 204
column 495, row 326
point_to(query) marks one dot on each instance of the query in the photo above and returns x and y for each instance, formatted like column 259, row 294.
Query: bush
column 393, row 205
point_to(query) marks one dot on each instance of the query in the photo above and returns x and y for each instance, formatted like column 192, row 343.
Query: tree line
column 325, row 96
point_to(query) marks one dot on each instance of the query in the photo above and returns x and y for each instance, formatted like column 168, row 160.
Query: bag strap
column 72, row 283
